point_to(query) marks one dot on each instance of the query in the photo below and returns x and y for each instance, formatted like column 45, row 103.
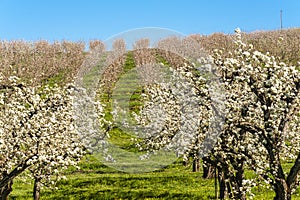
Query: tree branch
column 292, row 177
column 18, row 170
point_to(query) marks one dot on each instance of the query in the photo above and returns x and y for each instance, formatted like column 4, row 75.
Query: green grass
column 120, row 138
column 129, row 62
column 97, row 181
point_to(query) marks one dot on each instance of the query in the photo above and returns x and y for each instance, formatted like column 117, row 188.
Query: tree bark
column 185, row 163
column 36, row 188
column 292, row 177
column 7, row 181
column 196, row 165
column 222, row 185
column 6, row 190
column 282, row 190
column 239, row 177
column 234, row 180
column 7, row 178
column 208, row 169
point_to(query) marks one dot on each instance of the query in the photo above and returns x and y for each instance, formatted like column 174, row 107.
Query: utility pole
column 280, row 19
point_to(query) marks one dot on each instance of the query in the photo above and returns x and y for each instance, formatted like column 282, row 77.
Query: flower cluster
column 36, row 131
column 262, row 122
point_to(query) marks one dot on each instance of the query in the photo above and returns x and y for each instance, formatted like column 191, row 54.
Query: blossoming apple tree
column 262, row 125
column 36, row 133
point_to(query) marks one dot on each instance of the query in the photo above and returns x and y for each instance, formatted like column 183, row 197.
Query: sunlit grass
column 94, row 180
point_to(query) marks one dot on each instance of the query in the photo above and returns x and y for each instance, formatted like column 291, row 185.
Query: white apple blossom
column 262, row 122
column 36, row 132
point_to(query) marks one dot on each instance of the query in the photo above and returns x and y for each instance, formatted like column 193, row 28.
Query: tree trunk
column 185, row 163
column 8, row 178
column 235, row 181
column 196, row 165
column 6, row 190
column 36, row 188
column 228, row 191
column 208, row 169
column 222, row 185
column 239, row 177
column 282, row 190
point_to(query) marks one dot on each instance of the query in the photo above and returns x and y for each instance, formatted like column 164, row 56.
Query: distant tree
column 96, row 45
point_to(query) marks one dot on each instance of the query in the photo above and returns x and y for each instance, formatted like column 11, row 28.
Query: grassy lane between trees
column 97, row 181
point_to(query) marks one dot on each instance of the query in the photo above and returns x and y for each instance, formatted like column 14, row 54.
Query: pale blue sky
column 96, row 19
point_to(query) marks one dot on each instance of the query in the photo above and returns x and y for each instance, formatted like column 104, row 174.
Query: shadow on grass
column 123, row 194
column 132, row 186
